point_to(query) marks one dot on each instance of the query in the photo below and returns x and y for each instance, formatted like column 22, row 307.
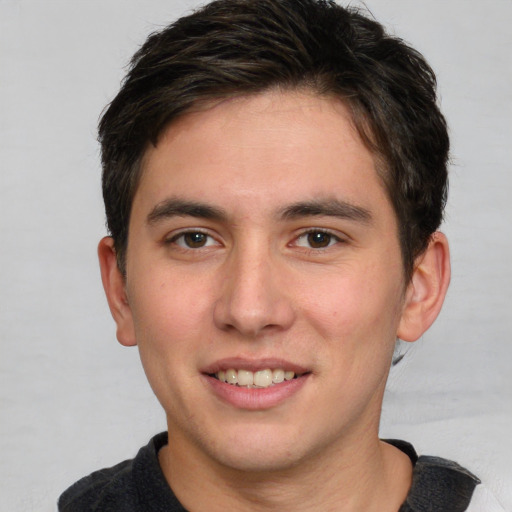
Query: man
column 274, row 175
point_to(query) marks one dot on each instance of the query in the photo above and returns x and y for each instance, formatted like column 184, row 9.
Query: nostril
column 250, row 300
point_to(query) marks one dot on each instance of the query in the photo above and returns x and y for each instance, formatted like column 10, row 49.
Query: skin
column 323, row 290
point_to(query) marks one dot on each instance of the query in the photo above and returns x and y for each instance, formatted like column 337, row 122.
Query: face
column 262, row 247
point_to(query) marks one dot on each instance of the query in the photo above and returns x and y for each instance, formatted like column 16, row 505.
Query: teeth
column 277, row 376
column 263, row 378
column 245, row 378
column 232, row 377
column 260, row 379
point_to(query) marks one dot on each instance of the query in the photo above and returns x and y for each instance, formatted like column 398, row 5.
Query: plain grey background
column 72, row 399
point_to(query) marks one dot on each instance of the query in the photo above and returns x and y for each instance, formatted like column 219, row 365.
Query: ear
column 115, row 290
column 426, row 290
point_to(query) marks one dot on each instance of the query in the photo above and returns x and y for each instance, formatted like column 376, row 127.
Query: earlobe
column 115, row 290
column 427, row 289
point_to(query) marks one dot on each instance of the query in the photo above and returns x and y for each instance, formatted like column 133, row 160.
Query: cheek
column 357, row 306
column 170, row 330
column 170, row 316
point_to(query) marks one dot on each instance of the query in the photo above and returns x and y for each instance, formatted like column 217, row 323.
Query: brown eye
column 195, row 240
column 192, row 240
column 319, row 239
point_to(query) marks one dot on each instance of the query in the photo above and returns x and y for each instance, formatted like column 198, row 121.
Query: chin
column 260, row 460
column 258, row 450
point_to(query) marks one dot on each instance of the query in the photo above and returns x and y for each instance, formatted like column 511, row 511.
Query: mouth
column 257, row 379
column 255, row 384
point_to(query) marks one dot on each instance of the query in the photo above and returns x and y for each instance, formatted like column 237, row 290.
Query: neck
column 361, row 474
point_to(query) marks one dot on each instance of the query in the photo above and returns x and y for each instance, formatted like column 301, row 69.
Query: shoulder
column 438, row 484
column 127, row 486
column 442, row 485
column 101, row 490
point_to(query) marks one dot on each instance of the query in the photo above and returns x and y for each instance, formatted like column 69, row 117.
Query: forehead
column 263, row 150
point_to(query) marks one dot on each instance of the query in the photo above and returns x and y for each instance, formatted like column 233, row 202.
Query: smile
column 258, row 379
column 255, row 384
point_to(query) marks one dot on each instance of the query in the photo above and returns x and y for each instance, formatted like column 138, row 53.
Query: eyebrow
column 175, row 207
column 328, row 208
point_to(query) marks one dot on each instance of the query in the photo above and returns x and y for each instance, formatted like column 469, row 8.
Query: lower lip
column 255, row 399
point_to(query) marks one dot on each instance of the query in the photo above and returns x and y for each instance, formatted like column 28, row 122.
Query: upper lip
column 254, row 365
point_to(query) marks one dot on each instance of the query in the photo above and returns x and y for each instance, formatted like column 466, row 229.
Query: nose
column 253, row 299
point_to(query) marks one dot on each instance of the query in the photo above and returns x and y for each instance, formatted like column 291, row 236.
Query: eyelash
column 174, row 239
column 333, row 239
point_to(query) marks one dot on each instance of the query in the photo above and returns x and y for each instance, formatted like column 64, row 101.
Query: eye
column 317, row 239
column 193, row 240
